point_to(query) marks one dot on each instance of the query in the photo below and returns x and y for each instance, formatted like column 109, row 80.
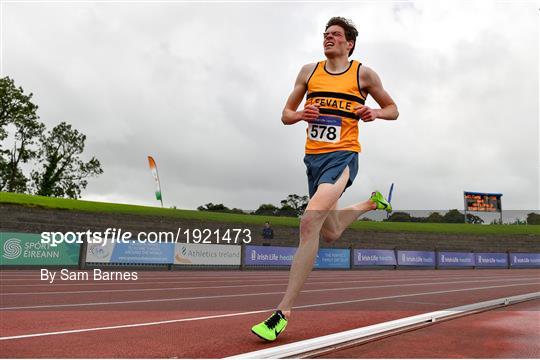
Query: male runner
column 336, row 92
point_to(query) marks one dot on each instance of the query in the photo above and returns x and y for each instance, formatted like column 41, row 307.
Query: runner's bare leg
column 338, row 220
column 310, row 226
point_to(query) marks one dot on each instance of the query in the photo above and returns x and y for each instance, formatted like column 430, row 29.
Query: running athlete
column 336, row 93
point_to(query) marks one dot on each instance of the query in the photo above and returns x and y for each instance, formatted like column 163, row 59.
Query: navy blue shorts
column 328, row 167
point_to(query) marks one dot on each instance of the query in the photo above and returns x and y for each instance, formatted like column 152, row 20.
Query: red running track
column 209, row 314
column 509, row 332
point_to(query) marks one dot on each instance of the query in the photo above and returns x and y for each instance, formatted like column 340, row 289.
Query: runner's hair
column 348, row 26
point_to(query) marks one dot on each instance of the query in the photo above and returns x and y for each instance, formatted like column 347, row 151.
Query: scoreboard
column 485, row 202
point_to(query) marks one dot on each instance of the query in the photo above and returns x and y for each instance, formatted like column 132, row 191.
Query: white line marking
column 281, row 274
column 232, row 286
column 36, row 277
column 246, row 313
column 52, row 306
column 253, row 279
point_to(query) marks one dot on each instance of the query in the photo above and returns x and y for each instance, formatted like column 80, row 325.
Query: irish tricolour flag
column 153, row 168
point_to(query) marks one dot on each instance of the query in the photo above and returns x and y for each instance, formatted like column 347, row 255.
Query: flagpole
column 159, row 186
column 390, row 198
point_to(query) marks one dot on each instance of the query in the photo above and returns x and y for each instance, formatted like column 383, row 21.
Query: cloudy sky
column 201, row 88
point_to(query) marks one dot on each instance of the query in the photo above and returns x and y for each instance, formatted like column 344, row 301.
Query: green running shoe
column 270, row 328
column 381, row 202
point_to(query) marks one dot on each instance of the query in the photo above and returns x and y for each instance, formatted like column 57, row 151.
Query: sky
column 201, row 87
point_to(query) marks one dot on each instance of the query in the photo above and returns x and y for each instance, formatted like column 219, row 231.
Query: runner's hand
column 310, row 113
column 366, row 113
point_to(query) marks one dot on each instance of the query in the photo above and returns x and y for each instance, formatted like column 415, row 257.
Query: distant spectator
column 267, row 232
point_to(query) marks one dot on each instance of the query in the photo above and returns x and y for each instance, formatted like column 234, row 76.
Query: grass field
column 92, row 206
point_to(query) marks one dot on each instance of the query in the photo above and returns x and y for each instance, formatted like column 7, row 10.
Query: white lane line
column 236, row 278
column 354, row 274
column 235, row 286
column 248, row 312
column 247, row 276
column 52, row 306
column 188, row 282
column 258, row 273
column 217, row 278
column 232, row 278
column 54, row 285
column 152, row 282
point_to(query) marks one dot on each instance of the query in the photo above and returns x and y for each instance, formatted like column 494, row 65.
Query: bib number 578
column 324, row 133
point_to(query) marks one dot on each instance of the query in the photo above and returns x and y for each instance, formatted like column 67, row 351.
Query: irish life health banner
column 283, row 256
column 455, row 259
column 524, row 259
column 491, row 259
column 207, row 254
column 268, row 255
column 374, row 257
column 416, row 258
column 27, row 249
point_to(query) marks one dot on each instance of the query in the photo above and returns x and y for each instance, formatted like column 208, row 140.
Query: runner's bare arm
column 371, row 83
column 310, row 112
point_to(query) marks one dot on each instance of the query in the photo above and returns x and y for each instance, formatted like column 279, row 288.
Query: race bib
column 326, row 129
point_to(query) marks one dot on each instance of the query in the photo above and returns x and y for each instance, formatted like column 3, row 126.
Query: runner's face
column 335, row 43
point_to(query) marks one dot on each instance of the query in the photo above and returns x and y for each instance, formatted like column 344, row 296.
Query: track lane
column 509, row 332
column 146, row 300
column 205, row 338
column 216, row 337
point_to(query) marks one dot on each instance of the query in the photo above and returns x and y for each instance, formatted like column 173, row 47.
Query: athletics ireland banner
column 207, row 254
column 27, row 249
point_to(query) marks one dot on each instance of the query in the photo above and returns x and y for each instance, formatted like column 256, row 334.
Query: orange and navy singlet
column 336, row 129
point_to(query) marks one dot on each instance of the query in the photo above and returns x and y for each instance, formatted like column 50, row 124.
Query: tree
column 219, row 208
column 400, row 216
column 237, row 211
column 435, row 217
column 266, row 209
column 294, row 204
column 533, row 219
column 213, row 207
column 17, row 109
column 287, row 210
column 454, row 216
column 62, row 172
